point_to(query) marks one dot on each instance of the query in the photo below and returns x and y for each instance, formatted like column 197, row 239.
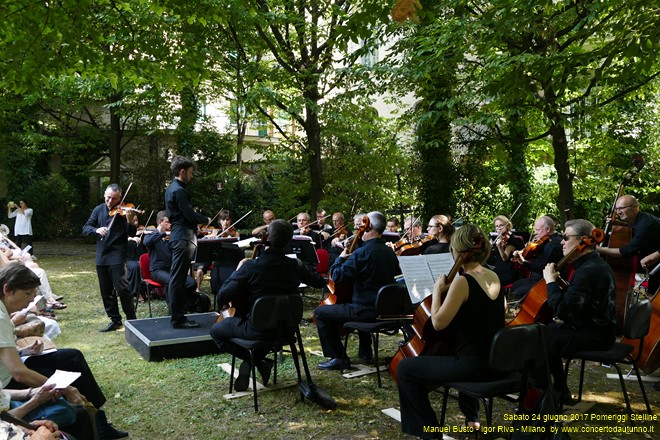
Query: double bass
column 535, row 308
column 618, row 235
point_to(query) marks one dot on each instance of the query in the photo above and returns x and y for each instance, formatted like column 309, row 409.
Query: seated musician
column 226, row 220
column 586, row 308
column 413, row 228
column 160, row 263
column 369, row 268
column 303, row 220
column 505, row 244
column 273, row 273
column 392, row 225
column 441, row 227
column 268, row 217
column 472, row 311
column 645, row 235
column 340, row 234
column 549, row 243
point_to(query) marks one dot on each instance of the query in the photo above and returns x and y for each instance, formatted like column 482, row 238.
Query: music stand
column 303, row 247
column 224, row 254
column 391, row 237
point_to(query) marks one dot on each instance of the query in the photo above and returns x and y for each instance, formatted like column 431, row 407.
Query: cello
column 426, row 340
column 618, row 235
column 650, row 358
column 534, row 308
column 343, row 293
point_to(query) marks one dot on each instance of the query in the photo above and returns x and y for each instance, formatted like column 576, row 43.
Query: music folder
column 218, row 249
column 421, row 271
column 303, row 247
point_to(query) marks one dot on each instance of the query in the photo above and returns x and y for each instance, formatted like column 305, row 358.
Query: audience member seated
column 19, row 286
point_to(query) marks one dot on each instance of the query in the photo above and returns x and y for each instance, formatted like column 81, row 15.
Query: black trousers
column 19, row 239
column 68, row 359
column 564, row 340
column 183, row 251
column 331, row 318
column 419, row 375
column 113, row 283
column 235, row 327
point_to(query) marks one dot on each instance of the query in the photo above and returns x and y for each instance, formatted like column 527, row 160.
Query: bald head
column 627, row 208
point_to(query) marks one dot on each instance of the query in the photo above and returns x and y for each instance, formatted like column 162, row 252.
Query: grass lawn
column 182, row 398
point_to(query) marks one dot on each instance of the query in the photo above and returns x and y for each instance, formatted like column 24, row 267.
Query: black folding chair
column 515, row 351
column 636, row 326
column 278, row 315
column 393, row 308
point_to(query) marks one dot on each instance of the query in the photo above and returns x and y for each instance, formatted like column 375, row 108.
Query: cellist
column 549, row 242
column 586, row 308
column 369, row 268
column 472, row 311
column 645, row 235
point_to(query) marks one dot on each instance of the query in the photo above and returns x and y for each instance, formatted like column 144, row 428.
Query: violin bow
column 115, row 216
column 507, row 224
column 234, row 224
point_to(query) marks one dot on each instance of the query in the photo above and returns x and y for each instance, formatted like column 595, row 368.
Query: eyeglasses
column 565, row 237
column 621, row 208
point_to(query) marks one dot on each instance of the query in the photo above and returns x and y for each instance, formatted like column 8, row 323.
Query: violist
column 226, row 220
column 547, row 250
column 473, row 311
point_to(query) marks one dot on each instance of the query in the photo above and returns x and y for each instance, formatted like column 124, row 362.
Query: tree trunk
column 565, row 201
column 115, row 146
column 517, row 170
column 313, row 131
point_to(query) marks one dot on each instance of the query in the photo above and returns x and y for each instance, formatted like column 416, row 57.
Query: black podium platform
column 156, row 340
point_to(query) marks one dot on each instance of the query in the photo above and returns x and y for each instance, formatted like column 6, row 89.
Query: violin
column 124, row 208
column 417, row 246
column 532, row 247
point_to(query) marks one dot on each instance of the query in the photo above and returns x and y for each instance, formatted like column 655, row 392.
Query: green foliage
column 57, row 208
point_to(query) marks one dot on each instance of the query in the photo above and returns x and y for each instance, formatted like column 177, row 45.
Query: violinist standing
column 183, row 238
column 111, row 247
column 586, row 307
column 645, row 236
column 549, row 241
column 369, row 268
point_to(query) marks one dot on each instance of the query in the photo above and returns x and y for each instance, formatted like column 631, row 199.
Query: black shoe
column 105, row 430
column 111, row 327
column 335, row 364
column 188, row 323
column 366, row 360
column 114, row 433
column 243, row 379
column 265, row 367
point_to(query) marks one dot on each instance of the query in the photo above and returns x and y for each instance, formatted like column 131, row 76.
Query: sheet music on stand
column 421, row 271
